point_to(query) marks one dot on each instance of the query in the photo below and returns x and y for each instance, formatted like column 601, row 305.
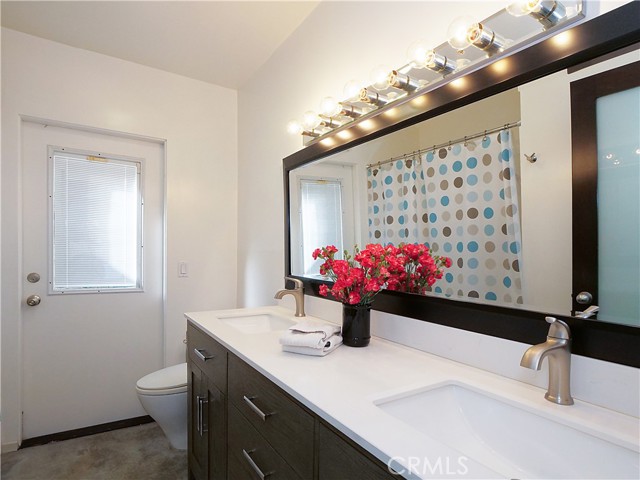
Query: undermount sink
column 257, row 323
column 509, row 439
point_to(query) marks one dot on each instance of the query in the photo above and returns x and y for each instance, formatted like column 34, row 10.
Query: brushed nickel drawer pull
column 199, row 415
column 260, row 413
column 252, row 464
column 202, row 354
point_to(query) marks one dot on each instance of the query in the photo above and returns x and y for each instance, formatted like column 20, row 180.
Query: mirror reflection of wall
column 529, row 265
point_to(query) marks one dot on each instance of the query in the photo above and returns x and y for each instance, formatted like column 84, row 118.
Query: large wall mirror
column 501, row 179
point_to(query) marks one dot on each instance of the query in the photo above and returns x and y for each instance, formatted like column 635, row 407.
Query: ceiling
column 220, row 42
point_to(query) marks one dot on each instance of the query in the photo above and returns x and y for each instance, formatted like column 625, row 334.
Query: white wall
column 199, row 123
column 312, row 64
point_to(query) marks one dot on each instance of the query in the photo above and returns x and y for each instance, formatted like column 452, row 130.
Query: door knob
column 584, row 298
column 33, row 300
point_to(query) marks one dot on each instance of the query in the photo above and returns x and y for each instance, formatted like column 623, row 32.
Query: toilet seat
column 168, row 381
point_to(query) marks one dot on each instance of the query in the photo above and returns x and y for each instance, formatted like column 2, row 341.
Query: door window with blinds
column 320, row 219
column 95, row 206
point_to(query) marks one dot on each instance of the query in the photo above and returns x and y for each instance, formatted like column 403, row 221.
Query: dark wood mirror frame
column 592, row 39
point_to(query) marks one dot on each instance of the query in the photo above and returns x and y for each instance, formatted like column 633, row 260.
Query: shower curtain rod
column 446, row 144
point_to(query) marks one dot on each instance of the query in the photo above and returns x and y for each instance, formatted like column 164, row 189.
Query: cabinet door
column 198, row 439
column 209, row 356
column 216, row 428
column 340, row 459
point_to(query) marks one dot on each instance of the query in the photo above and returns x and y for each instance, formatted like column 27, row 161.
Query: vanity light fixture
column 330, row 107
column 439, row 63
column 388, row 85
column 294, row 127
column 331, row 122
column 374, row 98
column 402, row 81
column 547, row 12
column 464, row 31
column 421, row 56
column 351, row 110
column 485, row 39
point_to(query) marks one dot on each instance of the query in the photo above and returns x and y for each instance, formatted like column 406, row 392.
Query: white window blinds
column 96, row 225
column 321, row 219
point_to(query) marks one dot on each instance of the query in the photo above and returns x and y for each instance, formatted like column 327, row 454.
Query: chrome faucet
column 297, row 292
column 558, row 350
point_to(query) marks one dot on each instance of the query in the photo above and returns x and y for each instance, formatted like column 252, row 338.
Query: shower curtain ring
column 449, row 147
column 465, row 141
column 484, row 139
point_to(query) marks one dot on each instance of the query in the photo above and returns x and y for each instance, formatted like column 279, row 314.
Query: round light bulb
column 352, row 89
column 294, row 127
column 457, row 35
column 310, row 120
column 474, row 32
column 417, row 53
column 430, row 58
column 519, row 8
column 379, row 77
column 330, row 107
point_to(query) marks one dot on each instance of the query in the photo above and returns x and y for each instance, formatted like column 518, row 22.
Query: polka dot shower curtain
column 462, row 202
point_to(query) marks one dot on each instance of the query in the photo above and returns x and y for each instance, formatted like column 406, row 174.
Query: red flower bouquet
column 358, row 278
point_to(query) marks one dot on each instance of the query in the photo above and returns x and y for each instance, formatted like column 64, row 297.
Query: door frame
column 164, row 209
column 584, row 160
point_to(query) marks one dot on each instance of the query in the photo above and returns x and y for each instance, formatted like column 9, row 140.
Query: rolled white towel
column 333, row 342
column 309, row 326
column 297, row 339
column 309, row 334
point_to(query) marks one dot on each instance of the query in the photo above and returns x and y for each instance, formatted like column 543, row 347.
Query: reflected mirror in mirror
column 488, row 185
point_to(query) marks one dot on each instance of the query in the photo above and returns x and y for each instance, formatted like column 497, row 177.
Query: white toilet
column 163, row 395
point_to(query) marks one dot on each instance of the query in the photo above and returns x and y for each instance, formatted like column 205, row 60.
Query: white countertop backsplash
column 606, row 384
column 342, row 387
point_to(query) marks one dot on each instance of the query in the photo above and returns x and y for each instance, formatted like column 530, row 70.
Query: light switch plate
column 183, row 269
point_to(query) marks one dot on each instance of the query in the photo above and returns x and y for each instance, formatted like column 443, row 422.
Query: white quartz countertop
column 343, row 387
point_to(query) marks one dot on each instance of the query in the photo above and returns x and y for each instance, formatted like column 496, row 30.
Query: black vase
column 356, row 323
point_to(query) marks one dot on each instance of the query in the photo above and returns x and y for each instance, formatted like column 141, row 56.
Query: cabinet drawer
column 284, row 423
column 249, row 454
column 209, row 356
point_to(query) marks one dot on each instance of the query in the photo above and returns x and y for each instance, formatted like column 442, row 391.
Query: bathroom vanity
column 242, row 425
column 258, row 412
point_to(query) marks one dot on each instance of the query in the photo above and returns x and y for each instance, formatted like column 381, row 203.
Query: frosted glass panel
column 618, row 123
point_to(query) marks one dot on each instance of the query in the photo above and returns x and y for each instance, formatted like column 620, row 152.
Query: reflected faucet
column 558, row 350
column 297, row 292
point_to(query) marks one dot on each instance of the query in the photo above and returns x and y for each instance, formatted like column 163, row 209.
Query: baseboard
column 10, row 447
column 83, row 432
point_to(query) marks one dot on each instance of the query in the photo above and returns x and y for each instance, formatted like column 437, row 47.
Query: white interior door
column 84, row 352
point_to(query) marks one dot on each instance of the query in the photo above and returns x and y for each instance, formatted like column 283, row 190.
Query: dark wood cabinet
column 207, row 410
column 341, row 459
column 251, row 455
column 243, row 426
column 284, row 423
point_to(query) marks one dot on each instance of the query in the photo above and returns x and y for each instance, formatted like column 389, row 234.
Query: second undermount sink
column 257, row 323
column 512, row 441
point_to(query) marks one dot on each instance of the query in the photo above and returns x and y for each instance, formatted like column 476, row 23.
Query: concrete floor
column 136, row 453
